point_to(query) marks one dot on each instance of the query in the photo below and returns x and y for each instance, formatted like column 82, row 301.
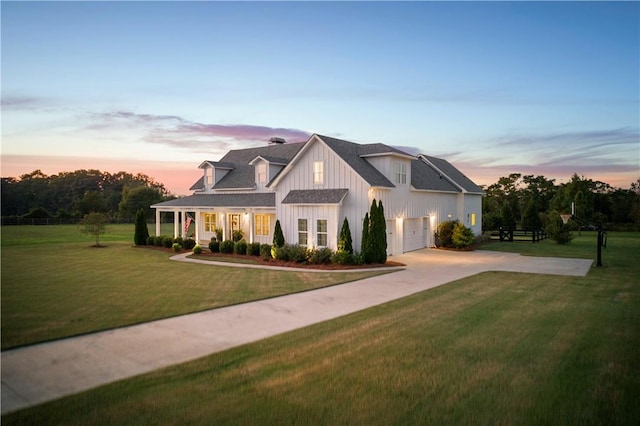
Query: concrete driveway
column 35, row 374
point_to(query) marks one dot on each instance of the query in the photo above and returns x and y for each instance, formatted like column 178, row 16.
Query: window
column 473, row 219
column 209, row 222
column 400, row 173
column 262, row 172
column 302, row 232
column 318, row 172
column 262, row 224
column 208, row 181
column 322, row 232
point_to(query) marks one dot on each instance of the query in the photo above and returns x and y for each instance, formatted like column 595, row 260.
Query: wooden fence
column 511, row 235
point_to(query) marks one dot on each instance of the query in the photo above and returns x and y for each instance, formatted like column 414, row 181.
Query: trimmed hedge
column 240, row 247
column 214, row 246
column 253, row 249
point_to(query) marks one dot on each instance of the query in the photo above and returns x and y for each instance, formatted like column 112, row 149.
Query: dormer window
column 209, row 177
column 400, row 173
column 262, row 172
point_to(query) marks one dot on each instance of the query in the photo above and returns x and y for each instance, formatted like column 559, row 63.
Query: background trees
column 75, row 194
column 517, row 201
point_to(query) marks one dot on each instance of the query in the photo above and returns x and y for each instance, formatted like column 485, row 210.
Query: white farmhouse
column 312, row 186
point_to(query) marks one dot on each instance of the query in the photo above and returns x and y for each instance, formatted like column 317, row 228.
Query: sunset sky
column 548, row 88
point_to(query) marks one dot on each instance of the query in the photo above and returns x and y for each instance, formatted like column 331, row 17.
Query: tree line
column 526, row 202
column 72, row 195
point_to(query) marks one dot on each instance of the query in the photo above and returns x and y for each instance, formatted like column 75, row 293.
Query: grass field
column 496, row 348
column 54, row 284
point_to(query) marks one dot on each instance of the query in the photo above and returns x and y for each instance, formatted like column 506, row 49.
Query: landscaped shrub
column 227, row 246
column 281, row 253
column 218, row 232
column 157, row 240
column 197, row 249
column 237, row 235
column 214, row 246
column 265, row 251
column 297, row 253
column 342, row 258
column 167, row 242
column 445, row 233
column 321, row 256
column 176, row 247
column 141, row 232
column 179, row 240
column 462, row 236
column 150, row 240
column 240, row 247
column 189, row 243
column 253, row 249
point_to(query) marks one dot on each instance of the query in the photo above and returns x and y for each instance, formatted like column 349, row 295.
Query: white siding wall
column 337, row 174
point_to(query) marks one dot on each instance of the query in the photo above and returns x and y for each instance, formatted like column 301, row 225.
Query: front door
column 234, row 223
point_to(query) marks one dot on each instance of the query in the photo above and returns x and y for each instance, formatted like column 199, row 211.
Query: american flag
column 186, row 224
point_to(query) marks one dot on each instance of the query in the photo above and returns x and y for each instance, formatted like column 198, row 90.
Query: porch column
column 251, row 226
column 224, row 227
column 176, row 223
column 157, row 222
column 182, row 223
column 196, row 219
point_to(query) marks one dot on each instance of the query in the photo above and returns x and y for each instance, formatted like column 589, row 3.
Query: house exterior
column 310, row 187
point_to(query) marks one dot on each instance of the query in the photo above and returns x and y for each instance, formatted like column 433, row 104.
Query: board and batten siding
column 337, row 174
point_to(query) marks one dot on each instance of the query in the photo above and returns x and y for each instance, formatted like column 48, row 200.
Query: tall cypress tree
column 381, row 235
column 374, row 239
column 141, row 233
column 364, row 245
column 344, row 239
column 278, row 236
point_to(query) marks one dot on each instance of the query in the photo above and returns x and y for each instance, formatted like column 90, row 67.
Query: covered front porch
column 205, row 216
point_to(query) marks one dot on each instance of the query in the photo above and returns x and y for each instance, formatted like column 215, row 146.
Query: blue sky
column 543, row 88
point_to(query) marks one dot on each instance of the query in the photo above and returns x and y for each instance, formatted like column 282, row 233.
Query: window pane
column 322, row 225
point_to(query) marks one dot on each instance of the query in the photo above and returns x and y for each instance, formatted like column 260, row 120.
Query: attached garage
column 413, row 234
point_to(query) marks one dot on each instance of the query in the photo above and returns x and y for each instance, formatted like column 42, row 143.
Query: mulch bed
column 273, row 262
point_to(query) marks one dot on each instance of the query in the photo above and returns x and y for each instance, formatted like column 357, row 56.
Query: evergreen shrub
column 214, row 246
column 197, row 249
column 321, row 256
column 265, row 252
column 253, row 249
column 227, row 246
column 240, row 247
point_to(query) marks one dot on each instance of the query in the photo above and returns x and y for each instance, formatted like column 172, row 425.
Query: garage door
column 413, row 235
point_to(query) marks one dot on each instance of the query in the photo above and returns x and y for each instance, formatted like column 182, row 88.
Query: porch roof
column 267, row 199
column 315, row 196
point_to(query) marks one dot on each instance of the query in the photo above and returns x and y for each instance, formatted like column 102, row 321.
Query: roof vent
column 276, row 141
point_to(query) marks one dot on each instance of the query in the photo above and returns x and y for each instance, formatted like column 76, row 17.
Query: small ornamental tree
column 345, row 243
column 94, row 224
column 141, row 233
column 445, row 233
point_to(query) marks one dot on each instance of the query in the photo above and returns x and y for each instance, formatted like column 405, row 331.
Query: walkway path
column 35, row 374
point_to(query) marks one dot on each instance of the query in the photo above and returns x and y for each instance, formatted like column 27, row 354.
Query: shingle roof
column 315, row 196
column 454, row 174
column 351, row 153
column 198, row 185
column 243, row 175
column 426, row 177
column 262, row 199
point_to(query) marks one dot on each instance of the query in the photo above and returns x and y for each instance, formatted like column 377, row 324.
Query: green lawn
column 54, row 284
column 497, row 348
